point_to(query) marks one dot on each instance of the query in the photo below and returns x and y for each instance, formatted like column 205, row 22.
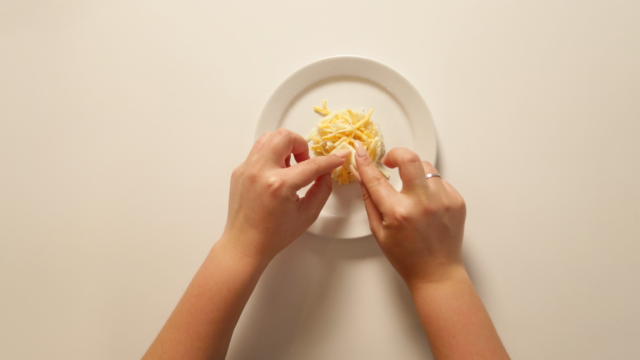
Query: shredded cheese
column 338, row 130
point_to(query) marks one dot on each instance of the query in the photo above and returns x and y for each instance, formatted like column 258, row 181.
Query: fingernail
column 355, row 173
column 360, row 149
column 342, row 153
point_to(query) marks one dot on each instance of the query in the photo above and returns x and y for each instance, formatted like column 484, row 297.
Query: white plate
column 357, row 83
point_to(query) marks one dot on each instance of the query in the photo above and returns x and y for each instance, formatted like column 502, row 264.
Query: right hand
column 420, row 228
column 265, row 212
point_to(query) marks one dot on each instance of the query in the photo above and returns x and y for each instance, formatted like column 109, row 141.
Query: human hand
column 265, row 213
column 420, row 228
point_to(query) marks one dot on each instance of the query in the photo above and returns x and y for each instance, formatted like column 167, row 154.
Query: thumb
column 380, row 191
column 374, row 215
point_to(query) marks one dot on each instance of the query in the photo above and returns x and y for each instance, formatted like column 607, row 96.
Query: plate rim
column 290, row 82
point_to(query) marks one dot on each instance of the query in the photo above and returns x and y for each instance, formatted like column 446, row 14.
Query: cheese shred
column 338, row 130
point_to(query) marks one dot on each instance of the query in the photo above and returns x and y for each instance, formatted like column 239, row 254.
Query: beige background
column 120, row 122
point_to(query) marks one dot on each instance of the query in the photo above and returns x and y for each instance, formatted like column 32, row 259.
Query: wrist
column 233, row 252
column 441, row 276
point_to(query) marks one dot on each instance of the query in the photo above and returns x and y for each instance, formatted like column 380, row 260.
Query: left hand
column 265, row 212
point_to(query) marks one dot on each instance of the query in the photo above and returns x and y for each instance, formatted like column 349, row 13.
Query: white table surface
column 120, row 123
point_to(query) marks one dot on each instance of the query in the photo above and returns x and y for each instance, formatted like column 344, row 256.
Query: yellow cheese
column 338, row 130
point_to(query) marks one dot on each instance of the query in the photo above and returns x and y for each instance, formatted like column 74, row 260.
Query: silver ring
column 433, row 175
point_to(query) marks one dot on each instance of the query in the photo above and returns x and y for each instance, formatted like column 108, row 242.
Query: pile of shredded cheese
column 338, row 130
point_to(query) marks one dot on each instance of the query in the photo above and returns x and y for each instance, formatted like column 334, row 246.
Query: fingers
column 259, row 144
column 381, row 192
column 434, row 183
column 374, row 215
column 302, row 156
column 284, row 143
column 302, row 174
column 317, row 195
column 428, row 168
column 453, row 193
column 410, row 167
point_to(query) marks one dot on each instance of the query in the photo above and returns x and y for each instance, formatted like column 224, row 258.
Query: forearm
column 202, row 323
column 455, row 320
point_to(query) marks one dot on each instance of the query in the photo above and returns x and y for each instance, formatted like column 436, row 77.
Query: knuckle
column 400, row 216
column 328, row 185
column 446, row 206
column 237, row 172
column 428, row 167
column 365, row 194
column 410, row 158
column 282, row 131
column 403, row 215
column 315, row 166
column 375, row 181
column 363, row 161
column 426, row 209
column 263, row 138
column 253, row 176
column 275, row 184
